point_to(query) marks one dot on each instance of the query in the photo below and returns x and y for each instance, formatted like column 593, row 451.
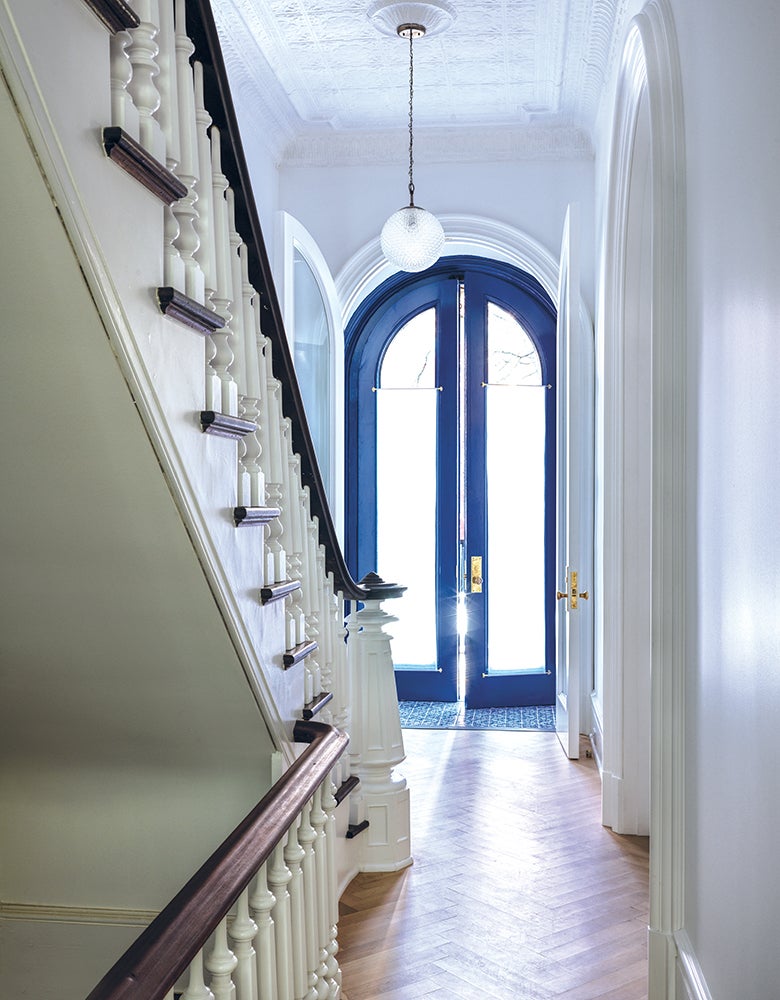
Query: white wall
column 731, row 79
column 345, row 207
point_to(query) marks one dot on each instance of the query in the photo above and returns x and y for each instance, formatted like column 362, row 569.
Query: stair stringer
column 115, row 227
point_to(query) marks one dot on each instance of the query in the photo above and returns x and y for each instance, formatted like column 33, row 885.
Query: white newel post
column 382, row 797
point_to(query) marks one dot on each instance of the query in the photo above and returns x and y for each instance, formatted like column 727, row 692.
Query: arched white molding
column 465, row 234
column 650, row 72
column 291, row 235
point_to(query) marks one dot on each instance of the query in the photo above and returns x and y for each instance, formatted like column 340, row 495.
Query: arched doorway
column 451, row 476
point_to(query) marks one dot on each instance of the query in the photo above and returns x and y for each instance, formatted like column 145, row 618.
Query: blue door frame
column 368, row 334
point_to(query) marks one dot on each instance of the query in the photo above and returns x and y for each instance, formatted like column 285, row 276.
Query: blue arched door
column 451, row 477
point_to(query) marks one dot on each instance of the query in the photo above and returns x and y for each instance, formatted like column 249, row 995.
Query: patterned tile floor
column 453, row 715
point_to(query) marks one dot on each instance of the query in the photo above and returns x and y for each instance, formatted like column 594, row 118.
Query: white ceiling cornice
column 458, row 145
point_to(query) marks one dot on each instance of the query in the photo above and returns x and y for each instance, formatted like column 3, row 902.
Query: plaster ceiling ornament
column 412, row 238
column 508, row 79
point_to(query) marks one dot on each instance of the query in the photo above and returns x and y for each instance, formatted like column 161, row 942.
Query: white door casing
column 292, row 237
column 574, row 492
column 649, row 83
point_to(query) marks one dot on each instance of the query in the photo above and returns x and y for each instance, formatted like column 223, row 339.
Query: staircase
column 185, row 605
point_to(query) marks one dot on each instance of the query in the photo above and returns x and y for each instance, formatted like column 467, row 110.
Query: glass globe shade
column 412, row 239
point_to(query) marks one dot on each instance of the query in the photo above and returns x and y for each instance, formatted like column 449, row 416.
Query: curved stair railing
column 258, row 919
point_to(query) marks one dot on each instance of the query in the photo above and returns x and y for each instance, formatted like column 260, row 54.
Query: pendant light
column 412, row 239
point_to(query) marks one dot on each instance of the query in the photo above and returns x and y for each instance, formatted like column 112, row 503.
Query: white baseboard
column 691, row 982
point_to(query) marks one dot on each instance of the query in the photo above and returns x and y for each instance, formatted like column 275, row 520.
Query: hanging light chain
column 411, row 31
column 411, row 118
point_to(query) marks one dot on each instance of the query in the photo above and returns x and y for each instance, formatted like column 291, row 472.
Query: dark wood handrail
column 219, row 102
column 153, row 963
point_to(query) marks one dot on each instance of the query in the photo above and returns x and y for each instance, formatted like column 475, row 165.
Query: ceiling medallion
column 435, row 16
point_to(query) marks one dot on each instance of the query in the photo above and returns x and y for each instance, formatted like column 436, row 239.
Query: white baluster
column 326, row 645
column 223, row 299
column 279, row 877
column 204, row 224
column 196, row 985
column 269, row 571
column 124, row 113
column 243, row 931
column 220, row 963
column 306, row 837
column 313, row 619
column 251, row 400
column 329, row 830
column 186, row 209
column 167, row 115
column 318, row 820
column 238, row 344
column 340, row 681
column 276, row 555
column 261, row 903
column 293, row 611
column 296, row 543
column 294, row 855
column 142, row 86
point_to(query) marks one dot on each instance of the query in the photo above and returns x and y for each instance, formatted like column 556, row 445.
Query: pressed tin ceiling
column 506, row 78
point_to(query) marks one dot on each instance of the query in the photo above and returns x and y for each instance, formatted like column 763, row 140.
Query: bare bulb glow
column 412, row 239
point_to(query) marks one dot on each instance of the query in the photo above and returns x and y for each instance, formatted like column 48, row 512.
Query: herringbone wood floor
column 516, row 893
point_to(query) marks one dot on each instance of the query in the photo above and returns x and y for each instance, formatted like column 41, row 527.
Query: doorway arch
column 646, row 218
column 451, row 400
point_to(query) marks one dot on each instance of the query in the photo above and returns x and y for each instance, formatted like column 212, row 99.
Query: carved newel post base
column 382, row 797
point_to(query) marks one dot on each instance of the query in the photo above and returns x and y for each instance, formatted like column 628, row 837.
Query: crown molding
column 452, row 145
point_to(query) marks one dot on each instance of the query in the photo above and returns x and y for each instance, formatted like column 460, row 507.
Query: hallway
column 516, row 893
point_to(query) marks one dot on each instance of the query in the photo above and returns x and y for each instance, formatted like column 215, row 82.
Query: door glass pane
column 407, row 404
column 515, row 442
column 313, row 363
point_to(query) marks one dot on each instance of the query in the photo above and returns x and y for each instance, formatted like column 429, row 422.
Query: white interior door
column 574, row 482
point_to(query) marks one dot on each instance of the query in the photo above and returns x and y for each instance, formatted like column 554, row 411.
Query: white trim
column 689, row 970
column 55, row 168
column 292, row 235
column 650, row 69
column 76, row 914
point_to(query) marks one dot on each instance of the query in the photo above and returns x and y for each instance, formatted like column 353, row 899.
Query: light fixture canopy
column 412, row 238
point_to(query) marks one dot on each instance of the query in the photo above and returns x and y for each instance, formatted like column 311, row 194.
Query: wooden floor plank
column 517, row 891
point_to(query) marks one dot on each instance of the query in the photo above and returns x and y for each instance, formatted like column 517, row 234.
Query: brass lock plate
column 476, row 574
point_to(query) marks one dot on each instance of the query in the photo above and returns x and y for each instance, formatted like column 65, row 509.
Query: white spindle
column 261, row 904
column 306, row 837
column 329, row 808
column 340, row 676
column 167, row 113
column 279, row 878
column 238, row 344
column 251, row 399
column 326, row 647
column 243, row 931
column 293, row 855
column 142, row 86
column 124, row 113
column 318, row 820
column 276, row 554
column 187, row 208
column 204, row 224
column 295, row 621
column 223, row 299
column 313, row 620
column 196, row 985
column 220, row 963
